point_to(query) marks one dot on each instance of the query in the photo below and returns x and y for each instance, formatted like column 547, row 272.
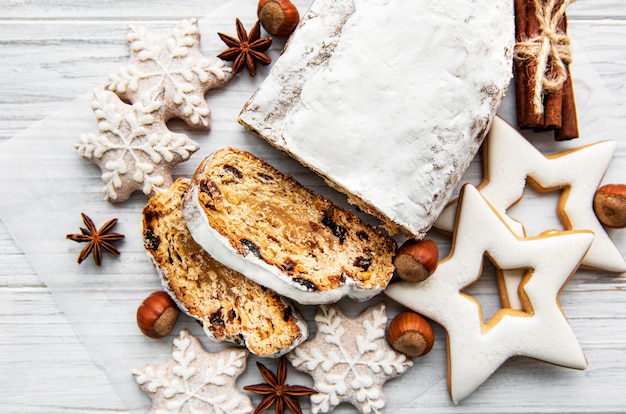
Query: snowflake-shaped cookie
column 132, row 146
column 349, row 360
column 196, row 381
column 173, row 68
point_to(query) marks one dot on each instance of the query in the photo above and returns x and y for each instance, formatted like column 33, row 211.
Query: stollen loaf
column 388, row 100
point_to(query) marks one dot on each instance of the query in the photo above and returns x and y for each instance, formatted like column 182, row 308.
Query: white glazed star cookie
column 349, row 359
column 539, row 331
column 172, row 68
column 195, row 381
column 132, row 146
column 511, row 161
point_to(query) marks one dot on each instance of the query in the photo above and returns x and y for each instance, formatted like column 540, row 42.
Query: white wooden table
column 53, row 51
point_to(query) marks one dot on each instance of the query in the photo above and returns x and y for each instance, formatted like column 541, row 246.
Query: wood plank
column 597, row 9
column 53, row 62
column 604, row 44
column 161, row 9
column 158, row 9
column 15, row 269
column 45, row 367
column 105, row 9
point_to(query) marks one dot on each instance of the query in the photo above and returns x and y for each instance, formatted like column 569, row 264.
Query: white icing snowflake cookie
column 540, row 330
column 349, row 360
column 132, row 146
column 196, row 381
column 172, row 68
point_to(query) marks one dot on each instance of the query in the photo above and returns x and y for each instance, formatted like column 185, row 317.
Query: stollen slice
column 264, row 224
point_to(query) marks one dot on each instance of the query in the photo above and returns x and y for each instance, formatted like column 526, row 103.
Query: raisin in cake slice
column 388, row 101
column 230, row 306
column 264, row 224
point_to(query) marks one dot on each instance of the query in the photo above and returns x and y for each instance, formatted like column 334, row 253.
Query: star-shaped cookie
column 349, row 359
column 132, row 146
column 539, row 331
column 196, row 381
column 171, row 67
column 511, row 161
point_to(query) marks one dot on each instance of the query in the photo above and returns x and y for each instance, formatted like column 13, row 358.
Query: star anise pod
column 248, row 50
column 276, row 391
column 96, row 239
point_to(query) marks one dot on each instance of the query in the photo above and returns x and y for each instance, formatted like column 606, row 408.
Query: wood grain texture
column 53, row 51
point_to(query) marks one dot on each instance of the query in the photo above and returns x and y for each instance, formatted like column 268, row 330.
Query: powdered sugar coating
column 391, row 116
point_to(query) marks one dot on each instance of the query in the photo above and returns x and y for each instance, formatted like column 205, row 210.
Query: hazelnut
column 278, row 17
column 609, row 204
column 410, row 334
column 415, row 260
column 157, row 314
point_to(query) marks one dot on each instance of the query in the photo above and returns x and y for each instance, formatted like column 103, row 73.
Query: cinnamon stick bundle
column 542, row 56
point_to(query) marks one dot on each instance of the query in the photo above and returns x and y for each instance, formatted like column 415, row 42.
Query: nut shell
column 410, row 334
column 278, row 17
column 609, row 204
column 157, row 315
column 416, row 260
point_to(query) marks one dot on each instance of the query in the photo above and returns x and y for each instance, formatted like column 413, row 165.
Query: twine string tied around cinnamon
column 550, row 49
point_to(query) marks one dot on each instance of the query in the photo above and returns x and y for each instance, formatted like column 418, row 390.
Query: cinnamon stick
column 553, row 109
column 521, row 89
column 533, row 119
column 559, row 112
column 553, row 101
column 569, row 123
column 552, row 112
